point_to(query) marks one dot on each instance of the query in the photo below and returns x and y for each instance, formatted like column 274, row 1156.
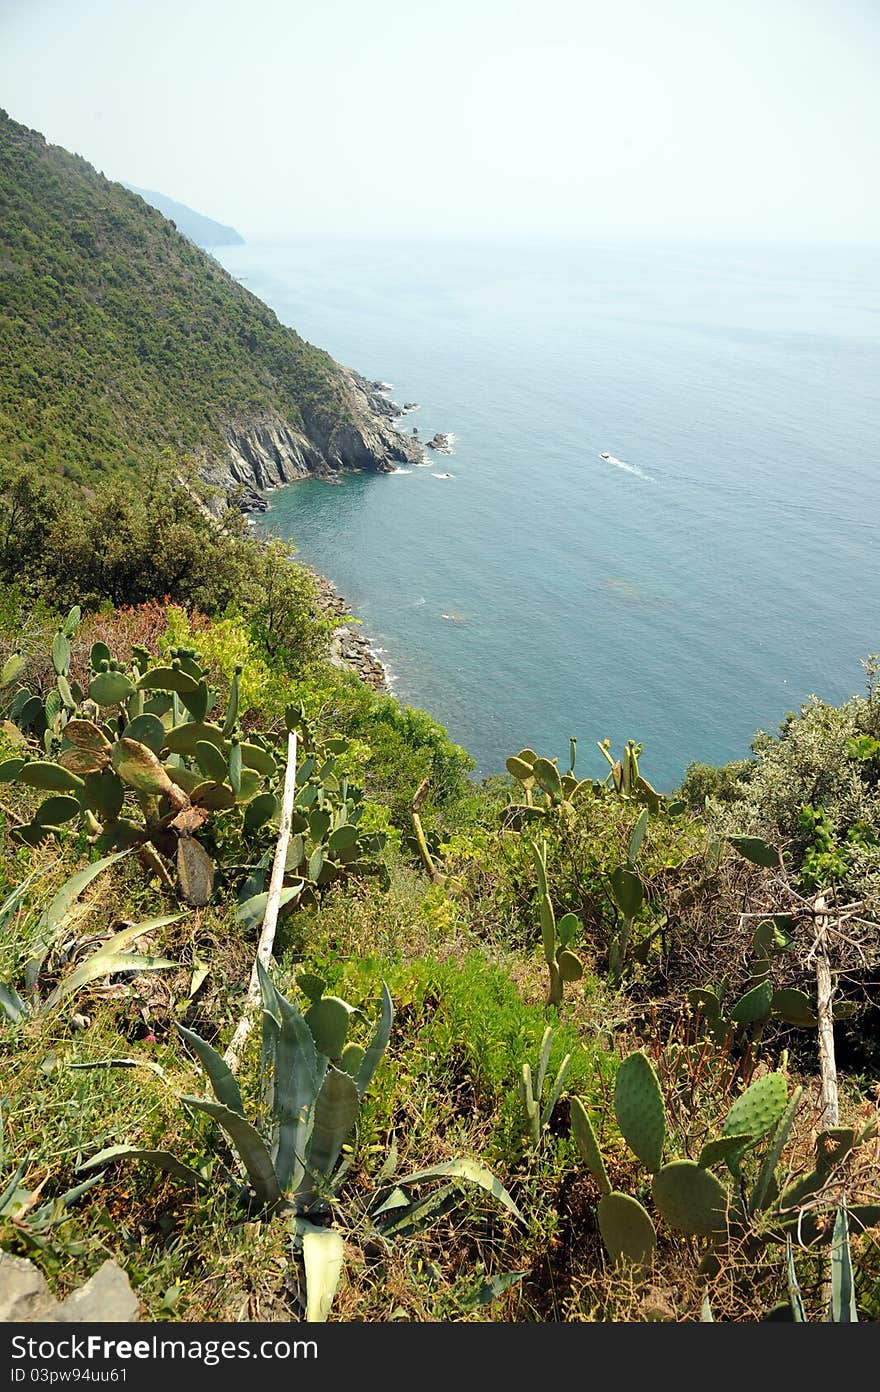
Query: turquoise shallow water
column 724, row 568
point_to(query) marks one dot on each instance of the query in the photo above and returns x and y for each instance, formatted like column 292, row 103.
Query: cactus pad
column 571, row 968
column 758, row 1109
column 794, row 1007
column 754, row 1007
column 638, row 1105
column 691, row 1199
column 588, row 1146
column 626, row 1228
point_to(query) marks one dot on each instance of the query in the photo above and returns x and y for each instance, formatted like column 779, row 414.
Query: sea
column 660, row 519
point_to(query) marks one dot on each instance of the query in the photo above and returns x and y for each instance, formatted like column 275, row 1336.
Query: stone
column 107, row 1297
column 25, row 1298
column 24, row 1295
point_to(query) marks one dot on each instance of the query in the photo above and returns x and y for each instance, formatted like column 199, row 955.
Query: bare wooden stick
column 232, row 1057
column 427, row 859
column 829, row 1113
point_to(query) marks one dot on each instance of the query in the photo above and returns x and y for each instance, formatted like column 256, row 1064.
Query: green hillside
column 119, row 337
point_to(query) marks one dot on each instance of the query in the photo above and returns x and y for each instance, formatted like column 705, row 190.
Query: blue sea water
column 719, row 569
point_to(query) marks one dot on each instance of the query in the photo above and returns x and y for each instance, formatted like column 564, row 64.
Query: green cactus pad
column 759, row 1108
column 10, row 769
column 628, row 891
column 520, row 770
column 754, row 1007
column 714, row 1152
column 588, row 1145
column 182, row 739
column 61, row 655
column 109, row 688
column 104, row 793
column 567, row 928
column 167, row 679
column 756, row 850
column 328, row 1019
column 691, row 1199
column 211, row 761
column 213, row 796
column 261, row 810
column 571, row 968
column 146, row 729
column 57, row 810
column 252, row 756
column 50, row 777
column 547, row 776
column 704, row 999
column 196, row 702
column 794, row 1007
column 638, row 1105
column 626, row 1228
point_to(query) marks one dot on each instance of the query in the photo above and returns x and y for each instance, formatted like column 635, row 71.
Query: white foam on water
column 628, row 468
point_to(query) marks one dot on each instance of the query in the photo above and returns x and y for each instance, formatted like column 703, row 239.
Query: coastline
column 349, row 648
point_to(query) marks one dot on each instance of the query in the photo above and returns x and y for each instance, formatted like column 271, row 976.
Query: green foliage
column 119, row 337
column 538, row 1111
column 182, row 772
column 562, row 964
column 686, row 1193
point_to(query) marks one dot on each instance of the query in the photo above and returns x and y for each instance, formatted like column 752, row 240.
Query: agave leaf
column 98, row 965
column 225, row 1087
column 323, row 1255
column 60, row 911
column 798, row 1313
column 336, row 1111
column 418, row 1214
column 843, row 1291
column 159, row 1159
column 11, row 1002
column 252, row 912
column 543, row 1061
column 298, row 1077
column 472, row 1173
column 377, row 1045
column 248, row 1143
column 558, row 1085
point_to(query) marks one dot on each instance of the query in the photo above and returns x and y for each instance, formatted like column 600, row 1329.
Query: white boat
column 606, row 455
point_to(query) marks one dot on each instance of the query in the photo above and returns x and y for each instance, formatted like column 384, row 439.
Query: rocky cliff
column 266, row 452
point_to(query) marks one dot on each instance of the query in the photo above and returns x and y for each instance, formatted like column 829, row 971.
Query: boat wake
column 627, row 468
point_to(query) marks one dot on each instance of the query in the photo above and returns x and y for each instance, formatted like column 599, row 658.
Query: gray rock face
column 267, row 453
column 25, row 1298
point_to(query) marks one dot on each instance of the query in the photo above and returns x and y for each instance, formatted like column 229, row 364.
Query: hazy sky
column 722, row 118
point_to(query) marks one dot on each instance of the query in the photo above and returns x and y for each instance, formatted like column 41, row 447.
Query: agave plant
column 56, row 937
column 314, row 1082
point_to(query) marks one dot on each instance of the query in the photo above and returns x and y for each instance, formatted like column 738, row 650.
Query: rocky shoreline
column 350, row 649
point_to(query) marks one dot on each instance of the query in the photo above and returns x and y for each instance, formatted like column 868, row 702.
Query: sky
column 720, row 119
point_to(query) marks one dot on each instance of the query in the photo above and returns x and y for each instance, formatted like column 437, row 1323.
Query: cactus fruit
column 626, row 1227
column 691, row 1199
column 587, row 1144
column 638, row 1105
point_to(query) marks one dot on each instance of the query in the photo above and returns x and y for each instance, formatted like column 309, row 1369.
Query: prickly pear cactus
column 691, row 1199
column 626, row 1227
column 638, row 1105
column 588, row 1145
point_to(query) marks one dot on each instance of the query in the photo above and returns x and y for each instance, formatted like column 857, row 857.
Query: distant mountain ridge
column 202, row 230
column 120, row 338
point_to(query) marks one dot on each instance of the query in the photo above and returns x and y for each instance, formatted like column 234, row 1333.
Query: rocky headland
column 266, row 453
